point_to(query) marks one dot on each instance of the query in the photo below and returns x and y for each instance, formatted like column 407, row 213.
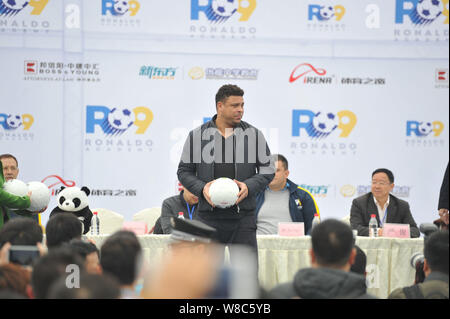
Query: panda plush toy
column 75, row 200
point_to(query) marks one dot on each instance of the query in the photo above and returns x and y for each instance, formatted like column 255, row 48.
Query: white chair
column 148, row 215
column 346, row 219
column 110, row 221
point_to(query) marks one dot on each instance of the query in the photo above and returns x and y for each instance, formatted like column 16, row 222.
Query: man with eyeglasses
column 386, row 207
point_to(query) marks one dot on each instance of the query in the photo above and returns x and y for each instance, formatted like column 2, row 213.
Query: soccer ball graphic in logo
column 13, row 121
column 324, row 123
column 225, row 8
column 425, row 128
column 223, row 192
column 121, row 7
column 326, row 12
column 118, row 121
column 429, row 9
column 15, row 4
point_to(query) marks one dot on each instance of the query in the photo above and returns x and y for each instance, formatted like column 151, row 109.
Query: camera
column 23, row 255
column 417, row 260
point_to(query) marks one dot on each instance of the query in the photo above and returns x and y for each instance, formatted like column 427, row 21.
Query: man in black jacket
column 386, row 207
column 226, row 146
column 443, row 199
column 329, row 276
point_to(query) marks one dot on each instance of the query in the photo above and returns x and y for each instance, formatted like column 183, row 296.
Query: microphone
column 416, row 258
column 428, row 228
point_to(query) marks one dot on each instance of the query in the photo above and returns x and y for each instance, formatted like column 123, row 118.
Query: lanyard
column 189, row 210
column 384, row 218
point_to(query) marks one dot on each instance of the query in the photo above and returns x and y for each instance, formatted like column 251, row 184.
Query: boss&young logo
column 113, row 123
column 120, row 13
column 15, row 16
column 16, row 127
column 421, row 20
column 316, row 129
column 225, row 18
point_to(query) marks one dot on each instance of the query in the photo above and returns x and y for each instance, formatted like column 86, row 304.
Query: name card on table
column 396, row 230
column 291, row 229
column 139, row 228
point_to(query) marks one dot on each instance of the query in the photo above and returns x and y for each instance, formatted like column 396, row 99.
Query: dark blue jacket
column 302, row 205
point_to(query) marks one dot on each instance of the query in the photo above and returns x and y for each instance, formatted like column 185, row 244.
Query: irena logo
column 120, row 7
column 55, row 181
column 11, row 122
column 325, row 13
column 421, row 12
column 303, row 69
column 114, row 122
column 424, row 129
column 219, row 11
column 321, row 124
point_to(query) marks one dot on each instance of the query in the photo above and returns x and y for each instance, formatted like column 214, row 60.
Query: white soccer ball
column 325, row 123
column 326, row 12
column 224, row 192
column 14, row 121
column 15, row 4
column 121, row 7
column 15, row 187
column 425, row 128
column 429, row 9
column 40, row 196
column 120, row 119
column 225, row 8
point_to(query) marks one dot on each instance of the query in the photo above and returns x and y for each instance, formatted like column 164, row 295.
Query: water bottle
column 95, row 224
column 316, row 221
column 181, row 215
column 373, row 226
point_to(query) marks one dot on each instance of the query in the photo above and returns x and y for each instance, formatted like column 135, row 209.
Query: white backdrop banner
column 103, row 94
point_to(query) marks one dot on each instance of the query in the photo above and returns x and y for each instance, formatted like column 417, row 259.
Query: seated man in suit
column 386, row 207
column 283, row 201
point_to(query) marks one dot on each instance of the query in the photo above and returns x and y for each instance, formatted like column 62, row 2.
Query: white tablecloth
column 388, row 259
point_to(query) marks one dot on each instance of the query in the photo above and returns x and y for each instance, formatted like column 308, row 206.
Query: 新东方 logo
column 423, row 128
column 158, row 73
column 11, row 122
column 10, row 8
column 421, row 12
column 120, row 8
column 219, row 11
column 116, row 121
column 323, row 13
column 321, row 124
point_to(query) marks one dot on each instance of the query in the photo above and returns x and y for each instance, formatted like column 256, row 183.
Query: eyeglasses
column 380, row 183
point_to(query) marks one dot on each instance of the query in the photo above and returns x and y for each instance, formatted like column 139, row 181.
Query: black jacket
column 171, row 207
column 323, row 283
column 397, row 212
column 443, row 196
column 252, row 164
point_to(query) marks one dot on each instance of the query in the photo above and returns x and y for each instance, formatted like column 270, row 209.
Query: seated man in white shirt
column 386, row 207
column 283, row 201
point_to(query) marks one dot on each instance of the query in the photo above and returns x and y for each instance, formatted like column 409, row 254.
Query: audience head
column 10, row 166
column 436, row 252
column 121, row 257
column 15, row 278
column 49, row 268
column 62, row 228
column 92, row 286
column 21, row 231
column 359, row 266
column 332, row 245
column 89, row 253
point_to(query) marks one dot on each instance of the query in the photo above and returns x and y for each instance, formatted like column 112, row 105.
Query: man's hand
column 443, row 213
column 243, row 193
column 206, row 193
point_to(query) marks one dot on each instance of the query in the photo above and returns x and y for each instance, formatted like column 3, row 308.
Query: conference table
column 388, row 259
